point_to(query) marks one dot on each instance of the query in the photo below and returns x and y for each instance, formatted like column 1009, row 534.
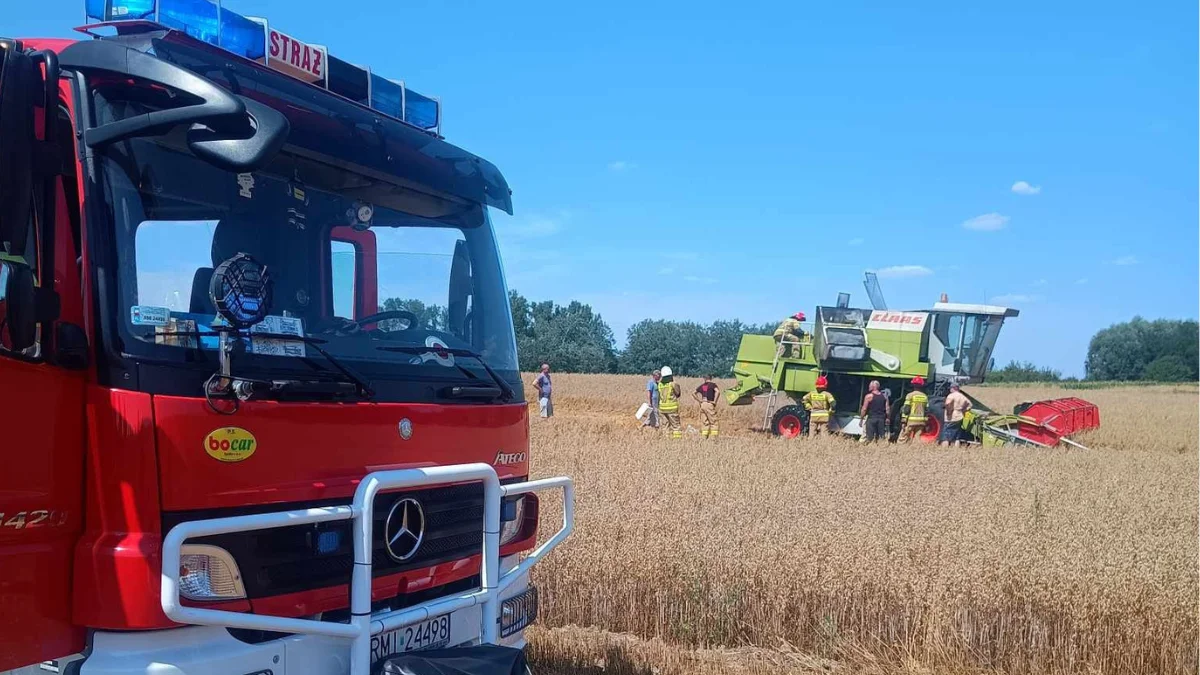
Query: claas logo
column 230, row 444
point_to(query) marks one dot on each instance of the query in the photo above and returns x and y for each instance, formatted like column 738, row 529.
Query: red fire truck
column 258, row 380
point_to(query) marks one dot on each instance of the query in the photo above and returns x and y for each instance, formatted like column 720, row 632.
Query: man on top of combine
column 913, row 410
column 706, row 395
column 819, row 405
column 668, row 402
column 789, row 334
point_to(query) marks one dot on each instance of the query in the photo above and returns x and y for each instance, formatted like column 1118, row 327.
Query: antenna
column 871, row 283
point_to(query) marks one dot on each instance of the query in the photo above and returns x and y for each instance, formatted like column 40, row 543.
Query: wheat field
column 756, row 555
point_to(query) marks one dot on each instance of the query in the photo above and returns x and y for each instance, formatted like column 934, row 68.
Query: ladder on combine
column 773, row 396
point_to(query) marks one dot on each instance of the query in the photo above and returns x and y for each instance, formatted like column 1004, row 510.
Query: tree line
column 575, row 339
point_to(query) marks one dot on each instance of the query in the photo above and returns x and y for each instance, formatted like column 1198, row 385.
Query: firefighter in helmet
column 819, row 405
column 913, row 410
column 788, row 334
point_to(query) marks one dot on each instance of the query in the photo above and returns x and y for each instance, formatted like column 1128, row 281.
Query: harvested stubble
column 871, row 559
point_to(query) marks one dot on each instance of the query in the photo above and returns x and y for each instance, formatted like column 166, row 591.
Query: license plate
column 428, row 634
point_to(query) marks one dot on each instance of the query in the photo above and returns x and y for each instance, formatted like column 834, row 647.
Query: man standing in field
column 956, row 406
column 544, row 390
column 913, row 410
column 651, row 419
column 819, row 405
column 876, row 409
column 706, row 395
column 668, row 402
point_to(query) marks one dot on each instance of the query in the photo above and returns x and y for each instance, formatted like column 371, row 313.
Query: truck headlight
column 208, row 573
column 512, row 519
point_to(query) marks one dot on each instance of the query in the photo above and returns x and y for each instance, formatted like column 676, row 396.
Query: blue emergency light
column 254, row 39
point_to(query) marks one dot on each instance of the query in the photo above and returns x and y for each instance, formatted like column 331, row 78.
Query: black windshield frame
column 127, row 362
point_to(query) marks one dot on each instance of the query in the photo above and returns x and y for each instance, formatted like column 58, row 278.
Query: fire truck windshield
column 357, row 263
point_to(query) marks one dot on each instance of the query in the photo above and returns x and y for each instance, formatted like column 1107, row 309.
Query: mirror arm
column 216, row 106
column 49, row 168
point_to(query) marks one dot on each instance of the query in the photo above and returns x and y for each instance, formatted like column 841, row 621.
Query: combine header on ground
column 950, row 344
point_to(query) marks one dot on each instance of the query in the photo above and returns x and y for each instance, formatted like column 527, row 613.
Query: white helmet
column 665, row 371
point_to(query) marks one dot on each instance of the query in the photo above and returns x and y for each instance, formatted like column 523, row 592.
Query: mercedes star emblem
column 405, row 429
column 404, row 529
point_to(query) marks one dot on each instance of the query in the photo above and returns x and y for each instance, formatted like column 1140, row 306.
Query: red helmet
column 918, row 381
column 821, row 382
column 799, row 316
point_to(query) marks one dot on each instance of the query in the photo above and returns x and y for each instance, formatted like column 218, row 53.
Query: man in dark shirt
column 706, row 395
column 876, row 408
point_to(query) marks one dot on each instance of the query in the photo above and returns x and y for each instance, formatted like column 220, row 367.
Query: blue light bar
column 253, row 39
column 422, row 111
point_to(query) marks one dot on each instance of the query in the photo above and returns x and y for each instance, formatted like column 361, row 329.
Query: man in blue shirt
column 542, row 384
column 651, row 418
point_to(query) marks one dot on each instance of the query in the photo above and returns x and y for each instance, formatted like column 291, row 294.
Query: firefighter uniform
column 789, row 329
column 914, row 409
column 706, row 394
column 668, row 404
column 819, row 405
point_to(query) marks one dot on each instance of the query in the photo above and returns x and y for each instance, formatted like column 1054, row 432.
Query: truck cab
column 258, row 374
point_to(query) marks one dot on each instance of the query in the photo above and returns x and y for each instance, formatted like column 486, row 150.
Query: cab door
column 41, row 430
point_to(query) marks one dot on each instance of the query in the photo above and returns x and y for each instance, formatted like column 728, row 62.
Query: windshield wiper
column 502, row 390
column 362, row 387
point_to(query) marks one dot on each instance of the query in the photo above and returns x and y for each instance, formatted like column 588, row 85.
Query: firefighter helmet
column 821, row 382
column 918, row 381
column 799, row 316
column 665, row 371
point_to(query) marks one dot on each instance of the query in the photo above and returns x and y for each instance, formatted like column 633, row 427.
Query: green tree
column 1168, row 368
column 687, row 347
column 429, row 317
column 1124, row 351
column 572, row 338
column 1024, row 372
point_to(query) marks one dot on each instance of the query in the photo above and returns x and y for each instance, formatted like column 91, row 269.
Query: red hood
column 298, row 452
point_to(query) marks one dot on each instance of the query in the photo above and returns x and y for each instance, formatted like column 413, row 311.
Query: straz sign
column 298, row 59
column 909, row 322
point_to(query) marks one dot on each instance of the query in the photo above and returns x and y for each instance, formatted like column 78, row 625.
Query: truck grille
column 294, row 559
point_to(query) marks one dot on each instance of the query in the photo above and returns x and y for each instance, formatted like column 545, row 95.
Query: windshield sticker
column 280, row 325
column 246, row 183
column 440, row 355
column 230, row 444
column 145, row 315
column 177, row 333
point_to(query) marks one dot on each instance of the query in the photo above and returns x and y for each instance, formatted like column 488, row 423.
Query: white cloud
column 988, row 222
column 1081, row 281
column 700, row 280
column 1126, row 260
column 1023, row 188
column 857, row 241
column 621, row 165
column 1011, row 299
column 903, row 272
column 667, row 270
column 1040, row 282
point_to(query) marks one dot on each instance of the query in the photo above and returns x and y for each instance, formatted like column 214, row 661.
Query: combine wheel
column 933, row 420
column 788, row 421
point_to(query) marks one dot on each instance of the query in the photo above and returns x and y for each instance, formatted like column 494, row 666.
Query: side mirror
column 460, row 289
column 19, row 301
column 19, row 89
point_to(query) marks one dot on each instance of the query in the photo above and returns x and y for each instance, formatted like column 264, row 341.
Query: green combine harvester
column 950, row 343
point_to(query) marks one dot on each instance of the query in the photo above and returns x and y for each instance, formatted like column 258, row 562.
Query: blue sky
column 703, row 161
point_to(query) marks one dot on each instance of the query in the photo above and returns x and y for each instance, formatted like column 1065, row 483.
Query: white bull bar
column 362, row 626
